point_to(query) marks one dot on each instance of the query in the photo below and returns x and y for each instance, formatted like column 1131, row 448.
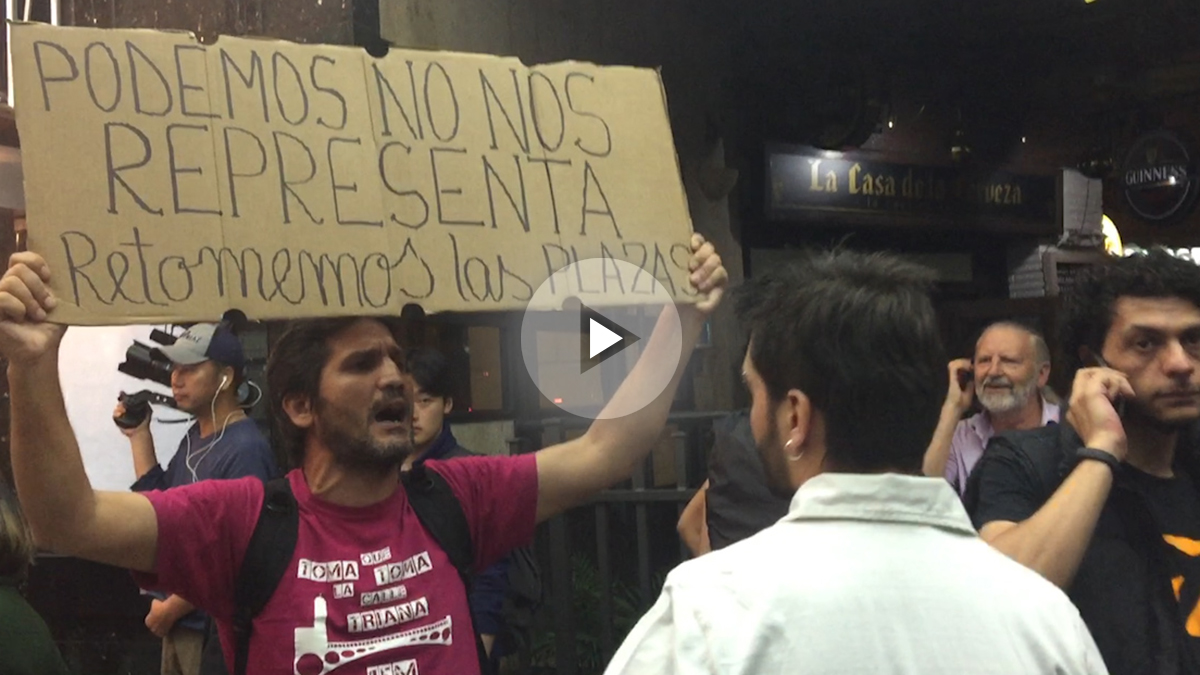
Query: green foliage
column 627, row 607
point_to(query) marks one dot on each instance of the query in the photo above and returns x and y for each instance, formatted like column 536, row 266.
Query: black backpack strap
column 439, row 511
column 267, row 558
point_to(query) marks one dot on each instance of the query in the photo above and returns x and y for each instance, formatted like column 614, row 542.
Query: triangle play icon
column 600, row 338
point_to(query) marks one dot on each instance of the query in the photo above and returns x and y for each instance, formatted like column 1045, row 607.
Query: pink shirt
column 971, row 436
column 368, row 591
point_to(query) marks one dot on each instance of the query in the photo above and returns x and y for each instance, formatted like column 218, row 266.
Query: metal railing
column 558, row 551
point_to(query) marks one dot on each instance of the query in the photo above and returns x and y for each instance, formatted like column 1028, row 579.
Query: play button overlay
column 587, row 326
column 600, row 338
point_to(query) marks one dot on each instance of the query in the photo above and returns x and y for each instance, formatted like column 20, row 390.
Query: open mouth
column 395, row 412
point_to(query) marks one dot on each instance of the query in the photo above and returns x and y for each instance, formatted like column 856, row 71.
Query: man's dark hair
column 294, row 367
column 430, row 370
column 1088, row 305
column 857, row 334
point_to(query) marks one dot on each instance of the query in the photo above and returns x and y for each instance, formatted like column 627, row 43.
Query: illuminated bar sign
column 1159, row 178
column 808, row 181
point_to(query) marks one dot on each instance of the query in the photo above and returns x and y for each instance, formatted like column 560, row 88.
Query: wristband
column 1100, row 456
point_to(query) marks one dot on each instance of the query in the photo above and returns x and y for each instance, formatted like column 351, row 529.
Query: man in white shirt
column 1008, row 374
column 875, row 568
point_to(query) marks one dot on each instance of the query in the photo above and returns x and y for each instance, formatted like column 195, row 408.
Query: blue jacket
column 240, row 451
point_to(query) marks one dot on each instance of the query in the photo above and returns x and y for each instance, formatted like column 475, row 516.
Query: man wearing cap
column 208, row 367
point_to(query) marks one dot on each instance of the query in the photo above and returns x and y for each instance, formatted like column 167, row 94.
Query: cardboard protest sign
column 169, row 180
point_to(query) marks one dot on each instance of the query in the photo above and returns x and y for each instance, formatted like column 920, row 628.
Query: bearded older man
column 1011, row 367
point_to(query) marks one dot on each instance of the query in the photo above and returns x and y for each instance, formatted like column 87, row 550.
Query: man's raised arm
column 1055, row 538
column 65, row 514
column 958, row 400
column 571, row 472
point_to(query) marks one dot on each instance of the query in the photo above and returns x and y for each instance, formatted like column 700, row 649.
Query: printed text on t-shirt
column 405, row 569
column 336, row 570
column 387, row 617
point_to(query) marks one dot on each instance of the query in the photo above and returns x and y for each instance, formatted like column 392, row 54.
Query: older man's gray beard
column 1000, row 402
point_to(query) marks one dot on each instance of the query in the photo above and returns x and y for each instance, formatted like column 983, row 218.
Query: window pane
column 558, row 371
column 487, row 376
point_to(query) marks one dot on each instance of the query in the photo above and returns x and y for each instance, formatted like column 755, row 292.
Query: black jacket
column 1123, row 587
column 738, row 503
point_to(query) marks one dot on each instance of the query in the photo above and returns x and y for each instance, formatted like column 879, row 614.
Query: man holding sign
column 367, row 584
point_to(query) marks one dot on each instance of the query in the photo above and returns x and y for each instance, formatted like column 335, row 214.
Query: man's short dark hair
column 294, row 367
column 1088, row 306
column 430, row 370
column 857, row 334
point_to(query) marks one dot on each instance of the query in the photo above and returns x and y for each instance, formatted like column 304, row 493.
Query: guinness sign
column 1159, row 178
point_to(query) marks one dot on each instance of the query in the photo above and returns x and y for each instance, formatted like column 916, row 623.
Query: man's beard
column 1000, row 402
column 359, row 451
column 775, row 465
column 364, row 453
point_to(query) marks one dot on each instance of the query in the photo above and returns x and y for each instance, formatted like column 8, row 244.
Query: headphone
column 232, row 321
column 243, row 392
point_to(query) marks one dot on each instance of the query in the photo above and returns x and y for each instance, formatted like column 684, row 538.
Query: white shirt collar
column 887, row 497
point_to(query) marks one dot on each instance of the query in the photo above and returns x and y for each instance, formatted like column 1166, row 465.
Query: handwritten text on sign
column 170, row 180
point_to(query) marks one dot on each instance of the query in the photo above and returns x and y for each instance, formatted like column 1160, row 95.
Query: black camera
column 145, row 363
column 137, row 407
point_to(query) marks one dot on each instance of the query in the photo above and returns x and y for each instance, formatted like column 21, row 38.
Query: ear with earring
column 790, row 456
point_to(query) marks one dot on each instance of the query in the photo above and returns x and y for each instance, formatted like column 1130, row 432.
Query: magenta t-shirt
column 368, row 591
